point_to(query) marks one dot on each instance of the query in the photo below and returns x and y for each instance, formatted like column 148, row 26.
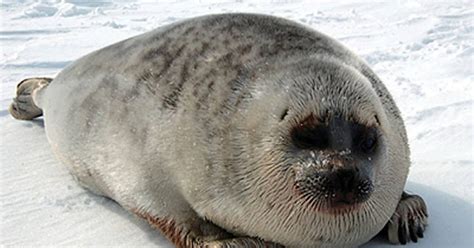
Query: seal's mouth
column 331, row 204
column 334, row 192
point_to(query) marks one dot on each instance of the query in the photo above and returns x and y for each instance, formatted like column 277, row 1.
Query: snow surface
column 422, row 50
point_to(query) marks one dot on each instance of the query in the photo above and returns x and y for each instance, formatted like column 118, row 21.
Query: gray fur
column 190, row 122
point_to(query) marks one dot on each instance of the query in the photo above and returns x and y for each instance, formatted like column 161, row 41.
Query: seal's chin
column 337, row 207
column 331, row 206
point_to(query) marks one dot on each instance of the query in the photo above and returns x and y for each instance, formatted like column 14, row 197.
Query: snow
column 422, row 50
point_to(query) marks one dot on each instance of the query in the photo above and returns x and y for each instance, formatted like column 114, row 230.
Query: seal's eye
column 364, row 138
column 369, row 142
column 315, row 137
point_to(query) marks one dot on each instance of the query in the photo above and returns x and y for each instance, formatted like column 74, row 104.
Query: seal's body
column 234, row 129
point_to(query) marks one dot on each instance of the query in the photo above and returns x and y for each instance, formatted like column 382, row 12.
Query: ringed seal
column 234, row 130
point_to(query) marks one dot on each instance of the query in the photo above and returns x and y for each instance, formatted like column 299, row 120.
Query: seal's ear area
column 283, row 114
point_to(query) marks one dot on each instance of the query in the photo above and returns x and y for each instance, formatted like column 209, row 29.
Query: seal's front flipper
column 192, row 233
column 25, row 105
column 197, row 233
column 409, row 220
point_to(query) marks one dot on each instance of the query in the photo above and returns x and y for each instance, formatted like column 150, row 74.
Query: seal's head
column 317, row 160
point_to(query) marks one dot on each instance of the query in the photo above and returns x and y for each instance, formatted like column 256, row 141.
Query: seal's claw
column 409, row 220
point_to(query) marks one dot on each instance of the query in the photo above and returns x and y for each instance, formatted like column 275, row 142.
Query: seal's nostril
column 349, row 186
column 345, row 179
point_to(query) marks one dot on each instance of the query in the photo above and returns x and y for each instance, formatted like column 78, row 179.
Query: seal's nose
column 344, row 184
column 349, row 186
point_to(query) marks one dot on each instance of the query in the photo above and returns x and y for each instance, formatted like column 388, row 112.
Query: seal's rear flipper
column 25, row 105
